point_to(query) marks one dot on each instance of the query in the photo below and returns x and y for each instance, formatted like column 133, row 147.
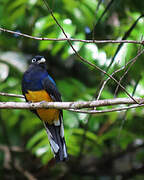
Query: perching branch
column 77, row 106
column 69, row 105
column 73, row 106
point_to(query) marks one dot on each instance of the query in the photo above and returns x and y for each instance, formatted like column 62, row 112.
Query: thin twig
column 10, row 153
column 132, row 63
column 80, row 57
column 71, row 39
column 95, row 22
column 126, row 35
column 126, row 71
column 7, row 157
column 24, row 172
column 11, row 95
column 107, row 110
column 104, row 12
column 125, row 114
column 119, row 47
column 123, row 67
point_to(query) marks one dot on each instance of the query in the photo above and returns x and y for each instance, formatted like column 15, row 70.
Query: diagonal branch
column 126, row 35
column 130, row 63
column 81, row 58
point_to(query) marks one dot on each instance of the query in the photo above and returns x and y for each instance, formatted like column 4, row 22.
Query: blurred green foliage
column 95, row 142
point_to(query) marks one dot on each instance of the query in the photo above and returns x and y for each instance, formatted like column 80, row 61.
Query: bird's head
column 38, row 60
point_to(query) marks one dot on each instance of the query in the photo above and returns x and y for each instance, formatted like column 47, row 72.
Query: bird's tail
column 56, row 138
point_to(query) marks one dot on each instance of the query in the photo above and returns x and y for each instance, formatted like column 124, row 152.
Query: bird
column 39, row 86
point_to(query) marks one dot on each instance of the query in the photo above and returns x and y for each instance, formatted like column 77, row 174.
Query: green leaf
column 89, row 52
column 44, row 45
column 69, row 29
column 44, row 23
column 37, row 137
column 77, row 46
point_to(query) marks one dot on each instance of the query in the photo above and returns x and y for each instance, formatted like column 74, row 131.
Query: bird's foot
column 29, row 102
column 43, row 102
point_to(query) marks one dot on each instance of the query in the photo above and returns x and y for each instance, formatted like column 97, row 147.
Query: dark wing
column 51, row 89
column 55, row 131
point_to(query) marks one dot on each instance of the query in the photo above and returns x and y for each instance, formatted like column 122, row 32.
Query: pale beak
column 42, row 60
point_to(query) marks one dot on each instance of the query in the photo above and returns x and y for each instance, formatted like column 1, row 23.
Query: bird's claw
column 42, row 102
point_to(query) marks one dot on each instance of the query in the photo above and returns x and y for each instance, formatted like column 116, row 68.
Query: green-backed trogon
column 38, row 86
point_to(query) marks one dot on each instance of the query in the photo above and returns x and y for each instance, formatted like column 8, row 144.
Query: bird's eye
column 33, row 60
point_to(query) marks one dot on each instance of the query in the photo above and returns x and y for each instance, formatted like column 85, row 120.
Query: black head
column 38, row 60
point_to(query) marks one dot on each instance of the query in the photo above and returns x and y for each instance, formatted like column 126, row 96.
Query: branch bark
column 69, row 105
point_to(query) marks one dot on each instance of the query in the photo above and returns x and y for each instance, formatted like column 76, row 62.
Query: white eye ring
column 33, row 60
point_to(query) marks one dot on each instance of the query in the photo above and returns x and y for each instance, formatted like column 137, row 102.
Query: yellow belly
column 47, row 115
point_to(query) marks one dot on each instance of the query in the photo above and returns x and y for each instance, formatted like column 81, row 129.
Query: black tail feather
column 57, row 141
